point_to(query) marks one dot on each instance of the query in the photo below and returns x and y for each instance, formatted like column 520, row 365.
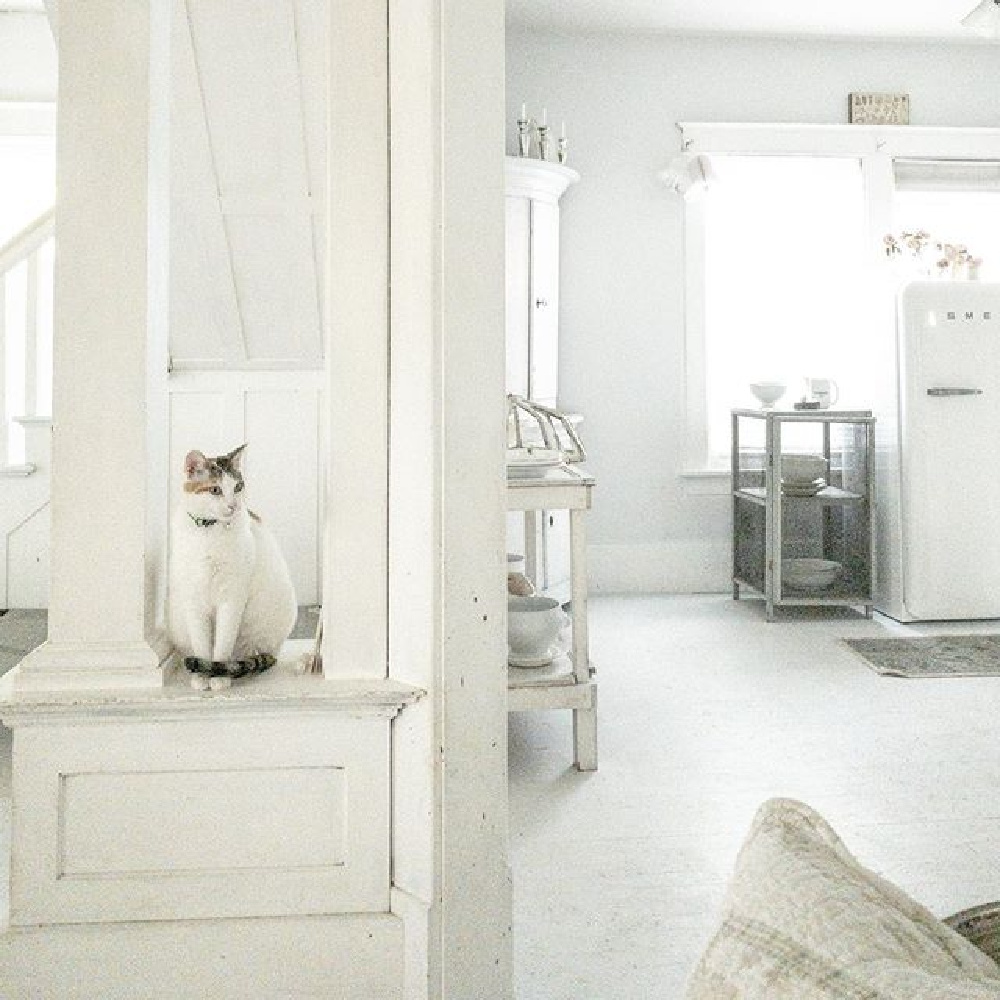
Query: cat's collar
column 203, row 522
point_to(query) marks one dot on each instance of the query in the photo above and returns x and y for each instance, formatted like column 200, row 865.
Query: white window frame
column 876, row 147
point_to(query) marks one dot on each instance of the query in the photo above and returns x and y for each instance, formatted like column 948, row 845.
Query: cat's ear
column 195, row 465
column 234, row 456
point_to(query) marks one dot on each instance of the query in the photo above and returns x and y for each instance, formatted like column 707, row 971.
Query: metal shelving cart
column 771, row 526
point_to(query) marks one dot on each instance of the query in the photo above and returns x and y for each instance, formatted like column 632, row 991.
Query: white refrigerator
column 938, row 457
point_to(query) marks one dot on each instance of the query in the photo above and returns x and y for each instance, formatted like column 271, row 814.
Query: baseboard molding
column 348, row 957
column 679, row 566
column 415, row 915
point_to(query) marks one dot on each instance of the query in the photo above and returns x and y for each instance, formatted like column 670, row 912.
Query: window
column 956, row 202
column 784, row 240
column 786, row 272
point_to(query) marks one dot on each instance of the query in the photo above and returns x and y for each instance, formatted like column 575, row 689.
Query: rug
column 931, row 656
column 20, row 632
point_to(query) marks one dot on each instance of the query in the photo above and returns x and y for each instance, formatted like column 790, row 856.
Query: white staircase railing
column 26, row 263
column 25, row 407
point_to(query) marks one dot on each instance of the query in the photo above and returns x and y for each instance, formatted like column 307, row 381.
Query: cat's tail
column 237, row 668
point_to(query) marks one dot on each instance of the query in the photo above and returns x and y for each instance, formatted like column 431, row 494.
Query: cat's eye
column 217, row 491
column 239, row 488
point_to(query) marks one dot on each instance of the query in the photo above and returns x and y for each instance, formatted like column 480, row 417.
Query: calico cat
column 232, row 603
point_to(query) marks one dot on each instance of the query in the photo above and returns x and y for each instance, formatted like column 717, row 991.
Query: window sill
column 706, row 482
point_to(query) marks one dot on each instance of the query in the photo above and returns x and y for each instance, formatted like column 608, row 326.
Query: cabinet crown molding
column 538, row 179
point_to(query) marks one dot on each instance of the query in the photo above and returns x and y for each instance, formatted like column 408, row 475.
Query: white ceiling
column 917, row 19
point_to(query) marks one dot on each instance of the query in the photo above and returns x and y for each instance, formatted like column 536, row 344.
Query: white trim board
column 229, row 380
column 840, row 140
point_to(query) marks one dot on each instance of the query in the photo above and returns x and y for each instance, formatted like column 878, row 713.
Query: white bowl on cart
column 802, row 470
column 533, row 626
column 809, row 574
column 768, row 393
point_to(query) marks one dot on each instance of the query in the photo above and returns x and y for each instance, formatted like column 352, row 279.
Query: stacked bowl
column 809, row 574
column 803, row 475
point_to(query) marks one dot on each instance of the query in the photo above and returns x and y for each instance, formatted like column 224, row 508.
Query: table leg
column 584, row 719
column 532, row 557
column 578, row 594
column 585, row 735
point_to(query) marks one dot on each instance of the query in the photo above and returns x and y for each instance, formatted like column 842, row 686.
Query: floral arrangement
column 952, row 260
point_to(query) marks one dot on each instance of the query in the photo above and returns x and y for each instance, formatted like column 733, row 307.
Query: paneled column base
column 268, row 799
column 54, row 666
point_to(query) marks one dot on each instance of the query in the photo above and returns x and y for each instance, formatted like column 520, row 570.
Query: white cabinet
column 533, row 189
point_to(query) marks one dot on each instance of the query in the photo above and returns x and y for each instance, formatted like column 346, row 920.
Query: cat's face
column 213, row 487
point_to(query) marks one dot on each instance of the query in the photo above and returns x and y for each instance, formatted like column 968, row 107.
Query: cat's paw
column 200, row 682
column 220, row 683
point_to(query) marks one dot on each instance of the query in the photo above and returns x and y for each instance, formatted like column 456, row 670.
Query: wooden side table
column 568, row 682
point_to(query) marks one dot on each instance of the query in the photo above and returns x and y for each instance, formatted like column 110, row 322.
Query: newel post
column 110, row 348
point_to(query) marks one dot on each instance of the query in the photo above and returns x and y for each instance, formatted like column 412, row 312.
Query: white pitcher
column 824, row 391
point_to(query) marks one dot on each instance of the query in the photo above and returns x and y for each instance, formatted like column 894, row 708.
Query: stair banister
column 22, row 249
column 27, row 241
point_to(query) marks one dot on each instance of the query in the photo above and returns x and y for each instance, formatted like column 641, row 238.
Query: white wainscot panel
column 189, row 818
column 282, row 470
column 278, row 414
column 181, row 821
column 202, row 419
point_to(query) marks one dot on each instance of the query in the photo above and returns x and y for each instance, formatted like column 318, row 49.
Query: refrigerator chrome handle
column 940, row 390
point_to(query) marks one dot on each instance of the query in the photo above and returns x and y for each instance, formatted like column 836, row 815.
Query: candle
column 562, row 131
column 524, row 112
column 545, row 116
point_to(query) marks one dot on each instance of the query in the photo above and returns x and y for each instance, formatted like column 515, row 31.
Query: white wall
column 622, row 334
column 27, row 58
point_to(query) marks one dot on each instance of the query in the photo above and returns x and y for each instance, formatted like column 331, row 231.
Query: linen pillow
column 803, row 919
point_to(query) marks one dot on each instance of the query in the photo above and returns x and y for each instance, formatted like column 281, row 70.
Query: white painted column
column 475, row 877
column 447, row 566
column 109, row 426
column 357, row 345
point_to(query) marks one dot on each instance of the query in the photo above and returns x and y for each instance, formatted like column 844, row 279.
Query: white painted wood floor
column 705, row 711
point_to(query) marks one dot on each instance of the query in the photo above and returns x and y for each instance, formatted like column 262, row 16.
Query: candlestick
column 543, row 142
column 524, row 130
column 561, row 148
